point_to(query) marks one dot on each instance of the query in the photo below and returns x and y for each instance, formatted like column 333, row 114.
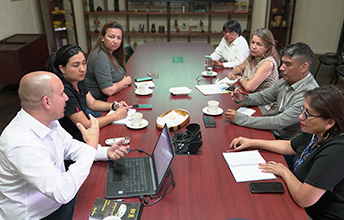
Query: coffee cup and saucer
column 136, row 121
column 212, row 108
column 143, row 90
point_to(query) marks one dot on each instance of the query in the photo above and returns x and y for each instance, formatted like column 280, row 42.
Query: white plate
column 205, row 73
column 138, row 92
column 218, row 112
column 144, row 123
column 180, row 90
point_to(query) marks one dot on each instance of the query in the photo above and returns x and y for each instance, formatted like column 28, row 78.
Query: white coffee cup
column 213, row 106
column 136, row 119
column 143, row 88
column 209, row 70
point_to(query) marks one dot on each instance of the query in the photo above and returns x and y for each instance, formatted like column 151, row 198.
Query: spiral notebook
column 244, row 166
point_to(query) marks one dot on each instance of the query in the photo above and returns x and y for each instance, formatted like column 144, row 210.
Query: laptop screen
column 162, row 155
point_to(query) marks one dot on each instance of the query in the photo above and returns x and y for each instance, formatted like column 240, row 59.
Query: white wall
column 258, row 14
column 80, row 23
column 318, row 23
column 19, row 17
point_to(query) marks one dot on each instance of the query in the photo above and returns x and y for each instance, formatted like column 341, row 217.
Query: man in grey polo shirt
column 288, row 92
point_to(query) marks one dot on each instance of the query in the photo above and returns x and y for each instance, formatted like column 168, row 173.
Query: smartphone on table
column 142, row 106
column 144, row 79
column 209, row 121
column 266, row 187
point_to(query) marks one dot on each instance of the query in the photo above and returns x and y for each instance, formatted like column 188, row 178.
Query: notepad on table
column 246, row 111
column 244, row 166
column 212, row 89
column 124, row 120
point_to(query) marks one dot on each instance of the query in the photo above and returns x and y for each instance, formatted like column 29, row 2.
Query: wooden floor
column 10, row 103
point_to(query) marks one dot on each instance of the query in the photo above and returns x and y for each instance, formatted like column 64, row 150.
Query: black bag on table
column 189, row 141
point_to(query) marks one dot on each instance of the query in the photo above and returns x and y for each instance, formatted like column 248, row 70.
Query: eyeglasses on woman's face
column 305, row 114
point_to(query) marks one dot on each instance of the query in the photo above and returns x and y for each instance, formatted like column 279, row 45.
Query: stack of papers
column 219, row 87
column 246, row 111
column 124, row 120
column 212, row 89
column 226, row 81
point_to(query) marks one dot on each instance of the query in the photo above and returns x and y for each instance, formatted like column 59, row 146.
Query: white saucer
column 218, row 112
column 144, row 123
column 205, row 73
column 138, row 92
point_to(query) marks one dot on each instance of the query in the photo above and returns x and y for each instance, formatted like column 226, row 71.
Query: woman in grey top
column 106, row 63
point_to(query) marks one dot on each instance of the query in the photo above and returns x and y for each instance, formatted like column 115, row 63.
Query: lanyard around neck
column 306, row 153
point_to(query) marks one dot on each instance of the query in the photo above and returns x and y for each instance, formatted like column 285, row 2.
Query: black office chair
column 333, row 59
column 340, row 72
column 128, row 51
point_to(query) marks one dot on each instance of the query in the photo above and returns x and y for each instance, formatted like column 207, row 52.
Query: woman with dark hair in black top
column 69, row 63
column 316, row 181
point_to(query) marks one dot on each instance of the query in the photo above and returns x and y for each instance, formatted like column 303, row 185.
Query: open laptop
column 139, row 176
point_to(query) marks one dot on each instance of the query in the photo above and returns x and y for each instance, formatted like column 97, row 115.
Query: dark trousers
column 65, row 212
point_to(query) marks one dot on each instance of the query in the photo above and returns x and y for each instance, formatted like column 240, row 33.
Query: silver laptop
column 139, row 176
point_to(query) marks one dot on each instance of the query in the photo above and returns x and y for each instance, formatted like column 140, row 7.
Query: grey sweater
column 286, row 123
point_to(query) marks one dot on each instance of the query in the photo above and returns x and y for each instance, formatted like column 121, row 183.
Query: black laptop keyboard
column 137, row 178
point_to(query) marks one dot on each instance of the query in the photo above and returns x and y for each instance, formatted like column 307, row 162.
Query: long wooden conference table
column 205, row 187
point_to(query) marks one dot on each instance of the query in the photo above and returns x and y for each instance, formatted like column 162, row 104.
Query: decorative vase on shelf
column 153, row 28
column 96, row 23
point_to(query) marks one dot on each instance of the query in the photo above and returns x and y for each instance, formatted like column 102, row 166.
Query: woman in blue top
column 106, row 63
column 316, row 181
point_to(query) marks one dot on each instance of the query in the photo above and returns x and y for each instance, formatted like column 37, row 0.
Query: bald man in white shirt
column 33, row 147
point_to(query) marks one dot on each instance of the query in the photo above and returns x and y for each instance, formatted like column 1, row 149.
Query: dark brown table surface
column 205, row 187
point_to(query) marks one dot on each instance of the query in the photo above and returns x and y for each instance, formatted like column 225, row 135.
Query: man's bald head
column 34, row 86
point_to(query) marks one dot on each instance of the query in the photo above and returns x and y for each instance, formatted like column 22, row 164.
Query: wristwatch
column 114, row 104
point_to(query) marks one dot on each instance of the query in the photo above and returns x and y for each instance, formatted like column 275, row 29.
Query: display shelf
column 134, row 13
column 280, row 21
column 59, row 22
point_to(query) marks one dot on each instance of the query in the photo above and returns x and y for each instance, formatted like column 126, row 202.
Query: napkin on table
column 171, row 119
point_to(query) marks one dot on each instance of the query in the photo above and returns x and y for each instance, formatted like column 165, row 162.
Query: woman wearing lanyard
column 316, row 181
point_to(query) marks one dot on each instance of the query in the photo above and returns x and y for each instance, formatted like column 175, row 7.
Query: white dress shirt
column 33, row 180
column 233, row 54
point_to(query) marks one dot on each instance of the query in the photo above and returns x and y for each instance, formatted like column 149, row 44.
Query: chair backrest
column 128, row 51
column 340, row 48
